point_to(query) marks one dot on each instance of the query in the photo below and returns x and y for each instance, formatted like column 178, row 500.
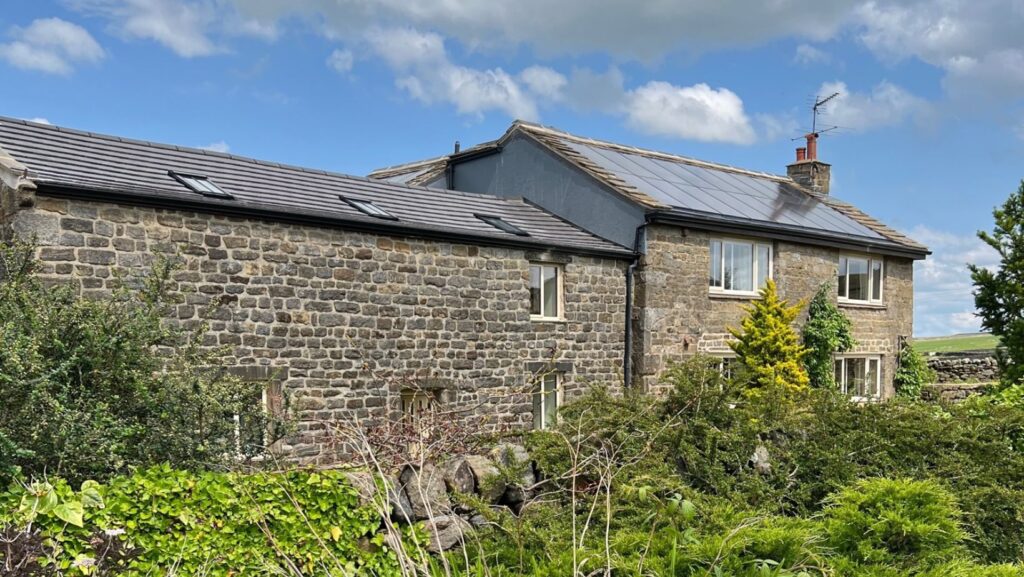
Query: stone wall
column 350, row 318
column 952, row 392
column 678, row 317
column 964, row 367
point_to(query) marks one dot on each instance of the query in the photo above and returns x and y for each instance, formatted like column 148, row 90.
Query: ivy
column 828, row 331
column 211, row 524
column 912, row 373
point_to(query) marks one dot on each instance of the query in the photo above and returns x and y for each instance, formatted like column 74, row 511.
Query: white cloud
column 886, row 105
column 187, row 27
column 943, row 299
column 219, row 146
column 426, row 73
column 39, row 120
column 807, row 55
column 341, row 61
column 544, row 82
column 588, row 90
column 977, row 43
column 696, row 112
column 51, row 45
column 578, row 26
column 180, row 26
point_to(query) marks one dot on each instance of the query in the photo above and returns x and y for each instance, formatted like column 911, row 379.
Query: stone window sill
column 869, row 306
column 734, row 296
column 553, row 320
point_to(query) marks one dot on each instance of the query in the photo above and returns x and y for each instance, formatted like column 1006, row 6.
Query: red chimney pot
column 801, row 154
column 812, row 146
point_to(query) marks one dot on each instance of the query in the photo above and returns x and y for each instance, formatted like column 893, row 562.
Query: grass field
column 956, row 343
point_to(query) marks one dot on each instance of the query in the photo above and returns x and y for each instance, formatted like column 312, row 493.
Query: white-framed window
column 547, row 394
column 860, row 377
column 728, row 366
column 545, row 291
column 253, row 430
column 861, row 279
column 417, row 403
column 739, row 266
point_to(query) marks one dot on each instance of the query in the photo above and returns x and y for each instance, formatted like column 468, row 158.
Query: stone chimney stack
column 808, row 171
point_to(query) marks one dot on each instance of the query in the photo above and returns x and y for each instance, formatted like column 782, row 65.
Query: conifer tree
column 768, row 346
column 999, row 294
column 828, row 331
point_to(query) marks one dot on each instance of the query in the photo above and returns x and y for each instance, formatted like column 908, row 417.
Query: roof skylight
column 502, row 225
column 200, row 184
column 368, row 208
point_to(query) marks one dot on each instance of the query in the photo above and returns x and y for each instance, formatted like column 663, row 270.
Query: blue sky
column 931, row 107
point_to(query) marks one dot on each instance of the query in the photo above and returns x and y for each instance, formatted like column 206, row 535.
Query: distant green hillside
column 956, row 343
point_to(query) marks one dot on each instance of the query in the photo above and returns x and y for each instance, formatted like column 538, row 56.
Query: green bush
column 93, row 387
column 768, row 346
column 210, row 524
column 699, row 440
column 912, row 373
column 827, row 331
column 895, row 523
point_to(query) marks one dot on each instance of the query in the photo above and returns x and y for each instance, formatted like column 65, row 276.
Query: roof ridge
column 552, row 131
column 406, row 167
column 244, row 159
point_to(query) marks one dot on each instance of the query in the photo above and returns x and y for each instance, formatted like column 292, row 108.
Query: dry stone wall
column 345, row 320
column 677, row 317
column 964, row 367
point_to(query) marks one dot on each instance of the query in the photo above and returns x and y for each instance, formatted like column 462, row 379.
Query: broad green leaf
column 91, row 496
column 70, row 512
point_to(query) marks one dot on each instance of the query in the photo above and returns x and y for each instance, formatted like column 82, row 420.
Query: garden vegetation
column 118, row 462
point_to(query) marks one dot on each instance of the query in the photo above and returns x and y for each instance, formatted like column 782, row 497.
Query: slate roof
column 676, row 186
column 99, row 167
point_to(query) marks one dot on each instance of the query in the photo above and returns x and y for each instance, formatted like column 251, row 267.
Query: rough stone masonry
column 346, row 320
column 679, row 317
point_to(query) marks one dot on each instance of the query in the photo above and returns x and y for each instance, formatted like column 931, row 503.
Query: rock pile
column 430, row 493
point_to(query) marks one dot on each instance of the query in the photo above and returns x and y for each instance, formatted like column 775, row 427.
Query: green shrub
column 210, row 524
column 912, row 373
column 768, row 346
column 93, row 387
column 827, row 331
column 897, row 523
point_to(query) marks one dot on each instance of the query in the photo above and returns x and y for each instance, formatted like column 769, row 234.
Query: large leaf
column 91, row 496
column 71, row 512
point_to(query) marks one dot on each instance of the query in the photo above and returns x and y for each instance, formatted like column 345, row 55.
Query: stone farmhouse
column 351, row 298
column 496, row 281
column 707, row 236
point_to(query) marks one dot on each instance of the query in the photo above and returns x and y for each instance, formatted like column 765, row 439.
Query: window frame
column 200, row 184
column 416, row 402
column 843, row 291
column 501, row 224
column 867, row 358
column 538, row 389
column 368, row 207
column 727, row 365
column 754, row 245
column 559, row 290
column 273, row 403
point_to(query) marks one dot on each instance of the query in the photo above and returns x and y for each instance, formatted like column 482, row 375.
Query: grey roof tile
column 58, row 156
column 676, row 184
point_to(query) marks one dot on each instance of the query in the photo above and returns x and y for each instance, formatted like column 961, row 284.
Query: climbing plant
column 912, row 372
column 828, row 331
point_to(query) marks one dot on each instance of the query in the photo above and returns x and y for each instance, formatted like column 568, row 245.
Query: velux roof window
column 200, row 184
column 368, row 208
column 500, row 224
